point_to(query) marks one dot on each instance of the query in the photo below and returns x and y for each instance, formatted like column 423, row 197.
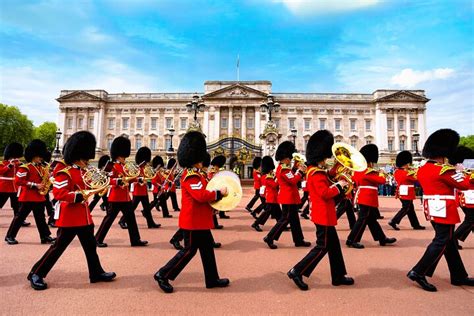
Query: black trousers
column 23, row 212
column 112, row 212
column 443, row 243
column 64, row 238
column 174, row 200
column 194, row 240
column 304, row 198
column 254, row 199
column 289, row 215
column 160, row 202
column 407, row 209
column 327, row 241
column 146, row 209
column 214, row 219
column 270, row 209
column 96, row 200
column 178, row 236
column 467, row 226
column 261, row 206
column 367, row 217
column 4, row 196
column 345, row 206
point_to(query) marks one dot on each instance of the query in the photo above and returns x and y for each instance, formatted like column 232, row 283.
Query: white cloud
column 311, row 7
column 409, row 78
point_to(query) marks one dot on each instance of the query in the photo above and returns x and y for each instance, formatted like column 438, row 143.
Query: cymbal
column 234, row 190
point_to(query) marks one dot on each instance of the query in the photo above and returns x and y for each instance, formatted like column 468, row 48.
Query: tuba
column 45, row 180
column 96, row 181
column 347, row 160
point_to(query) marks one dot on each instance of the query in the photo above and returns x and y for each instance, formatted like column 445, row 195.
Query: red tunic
column 118, row 192
column 271, row 188
column 288, row 181
column 57, row 166
column 7, row 176
column 170, row 186
column 26, row 178
column 405, row 184
column 157, row 182
column 321, row 195
column 67, row 183
column 196, row 213
column 256, row 179
column 367, row 182
column 439, row 182
column 466, row 197
column 137, row 188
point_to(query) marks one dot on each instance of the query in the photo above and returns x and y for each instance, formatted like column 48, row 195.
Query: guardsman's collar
column 75, row 166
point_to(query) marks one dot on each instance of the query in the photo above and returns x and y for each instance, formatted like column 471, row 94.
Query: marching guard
column 323, row 214
column 288, row 197
column 406, row 179
column 439, row 182
column 119, row 196
column 33, row 181
column 72, row 216
column 195, row 218
column 367, row 200
column 256, row 185
column 105, row 165
column 171, row 185
column 217, row 164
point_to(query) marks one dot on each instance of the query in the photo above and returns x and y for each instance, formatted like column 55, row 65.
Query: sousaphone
column 347, row 161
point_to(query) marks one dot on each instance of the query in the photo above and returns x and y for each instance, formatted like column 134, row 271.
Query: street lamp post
column 293, row 134
column 416, row 138
column 196, row 105
column 171, row 134
column 270, row 106
column 57, row 152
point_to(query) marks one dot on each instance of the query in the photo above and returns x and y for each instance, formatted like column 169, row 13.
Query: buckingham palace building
column 235, row 117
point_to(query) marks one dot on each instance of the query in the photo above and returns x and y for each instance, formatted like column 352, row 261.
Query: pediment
column 403, row 96
column 79, row 96
column 236, row 91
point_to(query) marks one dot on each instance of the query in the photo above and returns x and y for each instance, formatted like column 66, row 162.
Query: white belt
column 368, row 187
column 5, row 178
column 408, row 185
column 439, row 197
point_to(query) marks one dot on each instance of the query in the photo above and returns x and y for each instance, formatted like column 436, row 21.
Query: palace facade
column 234, row 122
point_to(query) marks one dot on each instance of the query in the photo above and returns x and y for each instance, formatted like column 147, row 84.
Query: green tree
column 47, row 133
column 467, row 141
column 14, row 126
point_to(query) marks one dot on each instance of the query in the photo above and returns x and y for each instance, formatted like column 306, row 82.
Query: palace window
column 250, row 122
column 277, row 123
column 353, row 125
column 413, row 146
column 368, row 126
column 224, row 122
column 402, row 144
column 153, row 143
column 139, row 122
column 390, row 124
column 91, row 123
column 354, row 142
column 368, row 141
column 111, row 123
column 183, row 123
column 337, row 124
column 79, row 123
column 390, row 144
column 167, row 143
column 154, row 123
column 110, row 139
column 291, row 123
column 237, row 122
column 169, row 122
column 125, row 121
column 69, row 123
column 322, row 123
column 138, row 142
column 307, row 124
column 401, row 124
column 413, row 124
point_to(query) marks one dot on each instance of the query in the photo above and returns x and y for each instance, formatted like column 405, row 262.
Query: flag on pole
column 238, row 66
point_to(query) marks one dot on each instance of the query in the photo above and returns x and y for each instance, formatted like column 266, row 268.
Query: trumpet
column 299, row 161
column 96, row 181
column 347, row 161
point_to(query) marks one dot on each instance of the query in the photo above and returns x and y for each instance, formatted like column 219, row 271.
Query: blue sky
column 301, row 46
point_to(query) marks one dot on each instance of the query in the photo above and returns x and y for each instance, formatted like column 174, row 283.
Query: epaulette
column 285, row 166
column 313, row 170
column 66, row 171
column 25, row 165
column 191, row 172
column 471, row 177
column 270, row 176
column 369, row 170
column 446, row 168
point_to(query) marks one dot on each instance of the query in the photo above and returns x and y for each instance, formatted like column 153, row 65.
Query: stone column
column 258, row 130
column 243, row 122
column 205, row 127
column 396, row 131
column 230, row 122
column 421, row 129
column 62, row 125
column 408, row 130
column 217, row 123
column 381, row 138
column 74, row 120
column 97, row 126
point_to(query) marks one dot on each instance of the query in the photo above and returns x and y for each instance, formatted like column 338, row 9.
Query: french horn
column 96, row 181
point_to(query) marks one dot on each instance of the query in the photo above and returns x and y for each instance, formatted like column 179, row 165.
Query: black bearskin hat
column 370, row 153
column 13, row 150
column 143, row 155
column 171, row 163
column 218, row 161
column 207, row 161
column 461, row 153
column 47, row 156
column 319, row 147
column 403, row 158
column 192, row 149
column 257, row 161
column 36, row 148
column 267, row 164
column 441, row 143
column 120, row 147
column 80, row 145
column 103, row 161
column 285, row 150
column 157, row 161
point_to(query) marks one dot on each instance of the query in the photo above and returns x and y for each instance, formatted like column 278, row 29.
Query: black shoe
column 298, row 279
column 163, row 283
column 270, row 243
column 218, row 283
column 103, row 277
column 303, row 244
column 11, row 240
column 216, row 245
column 176, row 244
column 52, row 223
column 224, row 216
column 355, row 245
column 37, row 282
column 421, row 280
column 24, row 224
column 177, row 210
column 123, row 225
column 305, row 216
column 248, row 209
column 154, row 225
column 380, row 217
column 394, row 226
column 140, row 243
column 287, row 229
column 102, row 207
column 218, row 227
column 256, row 227
column 167, row 216
column 466, row 281
column 48, row 240
column 419, row 228
column 387, row 241
column 102, row 244
column 459, row 246
column 343, row 281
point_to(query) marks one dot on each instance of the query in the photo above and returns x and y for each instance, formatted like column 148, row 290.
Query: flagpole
column 238, row 67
